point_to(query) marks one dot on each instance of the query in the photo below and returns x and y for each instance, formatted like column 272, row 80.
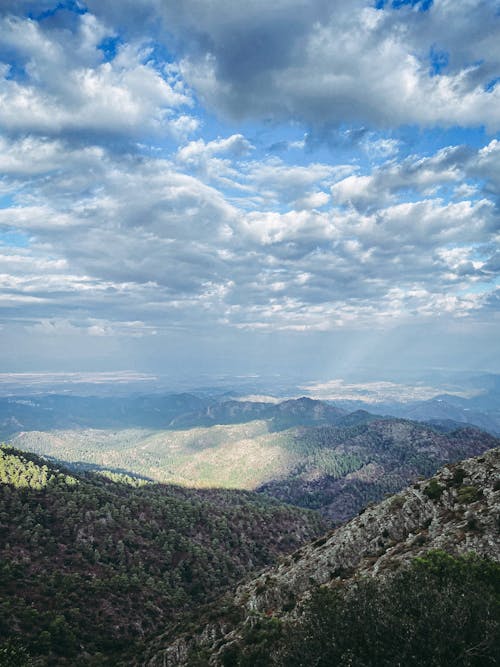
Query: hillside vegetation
column 334, row 469
column 91, row 565
column 344, row 469
column 436, row 612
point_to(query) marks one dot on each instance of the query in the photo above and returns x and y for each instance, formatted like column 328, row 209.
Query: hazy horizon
column 361, row 386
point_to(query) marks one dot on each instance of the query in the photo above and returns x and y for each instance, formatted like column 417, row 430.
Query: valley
column 335, row 468
column 116, row 542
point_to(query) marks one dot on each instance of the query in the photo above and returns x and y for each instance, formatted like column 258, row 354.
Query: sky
column 193, row 187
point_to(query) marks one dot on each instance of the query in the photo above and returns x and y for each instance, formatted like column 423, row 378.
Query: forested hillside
column 335, row 469
column 91, row 564
column 344, row 469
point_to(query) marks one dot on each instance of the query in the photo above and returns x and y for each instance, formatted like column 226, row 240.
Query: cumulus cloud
column 277, row 181
column 235, row 145
column 328, row 63
column 213, row 160
column 418, row 175
column 144, row 242
column 64, row 84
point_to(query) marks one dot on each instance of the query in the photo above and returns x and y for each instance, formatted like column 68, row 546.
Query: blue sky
column 221, row 187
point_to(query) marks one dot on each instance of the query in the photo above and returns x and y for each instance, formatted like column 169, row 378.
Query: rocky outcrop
column 458, row 510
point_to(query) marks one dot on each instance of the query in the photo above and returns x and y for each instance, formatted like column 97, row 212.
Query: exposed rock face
column 458, row 511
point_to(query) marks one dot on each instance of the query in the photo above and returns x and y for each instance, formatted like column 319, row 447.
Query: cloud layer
column 139, row 235
column 129, row 213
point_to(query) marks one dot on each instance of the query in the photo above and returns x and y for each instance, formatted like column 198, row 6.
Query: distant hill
column 482, row 411
column 53, row 411
column 153, row 412
column 92, row 564
column 373, row 592
column 182, row 411
column 356, row 418
column 479, row 412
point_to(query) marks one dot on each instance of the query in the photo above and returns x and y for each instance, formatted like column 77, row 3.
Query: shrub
column 468, row 494
column 458, row 476
column 434, row 490
column 439, row 611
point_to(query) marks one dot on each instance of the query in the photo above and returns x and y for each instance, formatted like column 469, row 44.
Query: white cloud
column 236, row 146
column 91, row 327
column 68, row 86
column 133, row 239
column 32, row 156
column 380, row 147
column 344, row 62
column 420, row 175
column 312, row 200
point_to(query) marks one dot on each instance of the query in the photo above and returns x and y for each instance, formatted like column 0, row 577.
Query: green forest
column 334, row 469
column 91, row 565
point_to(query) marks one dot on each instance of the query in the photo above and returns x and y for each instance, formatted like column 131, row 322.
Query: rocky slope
column 458, row 511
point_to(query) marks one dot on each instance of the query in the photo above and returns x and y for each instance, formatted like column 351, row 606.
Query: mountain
column 477, row 411
column 356, row 418
column 280, row 416
column 53, row 411
column 334, row 469
column 343, row 469
column 153, row 412
column 305, row 412
column 482, row 410
column 370, row 587
column 92, row 564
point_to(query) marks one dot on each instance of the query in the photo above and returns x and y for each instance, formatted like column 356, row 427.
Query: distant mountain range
column 172, row 411
column 483, row 412
column 182, row 411
column 53, row 411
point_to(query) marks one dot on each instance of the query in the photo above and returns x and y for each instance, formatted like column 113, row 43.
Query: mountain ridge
column 185, row 410
column 335, row 469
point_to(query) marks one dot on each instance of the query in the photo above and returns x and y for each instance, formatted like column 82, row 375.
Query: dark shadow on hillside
column 81, row 467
